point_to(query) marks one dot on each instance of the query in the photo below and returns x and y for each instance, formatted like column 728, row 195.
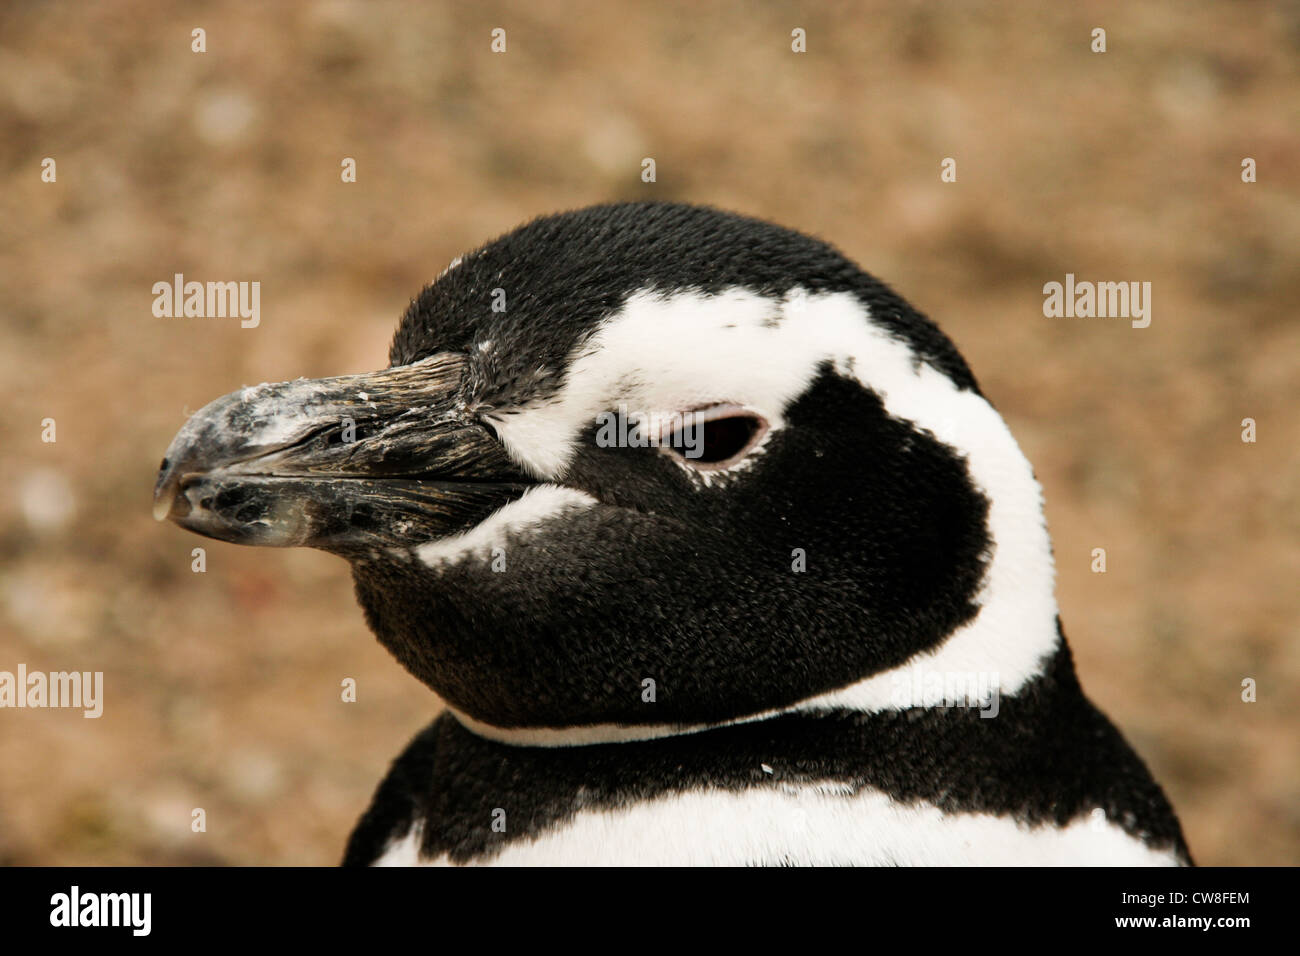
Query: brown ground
column 223, row 688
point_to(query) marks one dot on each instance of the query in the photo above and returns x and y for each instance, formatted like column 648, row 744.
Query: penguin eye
column 713, row 438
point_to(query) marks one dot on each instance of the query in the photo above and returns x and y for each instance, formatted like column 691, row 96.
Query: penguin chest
column 810, row 826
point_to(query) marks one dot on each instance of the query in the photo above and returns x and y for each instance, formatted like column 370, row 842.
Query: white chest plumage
column 804, row 826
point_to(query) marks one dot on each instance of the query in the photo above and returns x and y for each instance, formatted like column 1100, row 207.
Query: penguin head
column 646, row 468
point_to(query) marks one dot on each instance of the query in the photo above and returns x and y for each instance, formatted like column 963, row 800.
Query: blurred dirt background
column 223, row 688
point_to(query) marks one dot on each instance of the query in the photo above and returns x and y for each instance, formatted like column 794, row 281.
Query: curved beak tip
column 162, row 508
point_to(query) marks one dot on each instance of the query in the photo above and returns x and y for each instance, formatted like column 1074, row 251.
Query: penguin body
column 713, row 548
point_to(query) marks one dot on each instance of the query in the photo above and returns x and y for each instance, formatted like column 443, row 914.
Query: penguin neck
column 1008, row 644
column 930, row 682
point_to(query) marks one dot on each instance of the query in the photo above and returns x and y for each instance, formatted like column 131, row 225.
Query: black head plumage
column 662, row 579
column 562, row 274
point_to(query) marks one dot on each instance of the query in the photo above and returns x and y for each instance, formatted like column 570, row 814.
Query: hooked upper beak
column 390, row 458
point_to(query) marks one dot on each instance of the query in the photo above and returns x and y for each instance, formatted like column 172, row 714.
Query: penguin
column 712, row 547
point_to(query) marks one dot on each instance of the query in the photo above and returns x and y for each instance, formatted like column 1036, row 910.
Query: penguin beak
column 344, row 464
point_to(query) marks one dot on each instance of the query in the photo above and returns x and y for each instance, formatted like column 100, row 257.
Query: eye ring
column 715, row 437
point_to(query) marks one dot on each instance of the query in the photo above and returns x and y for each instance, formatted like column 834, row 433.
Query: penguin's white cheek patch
column 488, row 540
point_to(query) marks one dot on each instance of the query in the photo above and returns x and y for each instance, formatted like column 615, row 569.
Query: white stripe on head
column 664, row 354
column 668, row 353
